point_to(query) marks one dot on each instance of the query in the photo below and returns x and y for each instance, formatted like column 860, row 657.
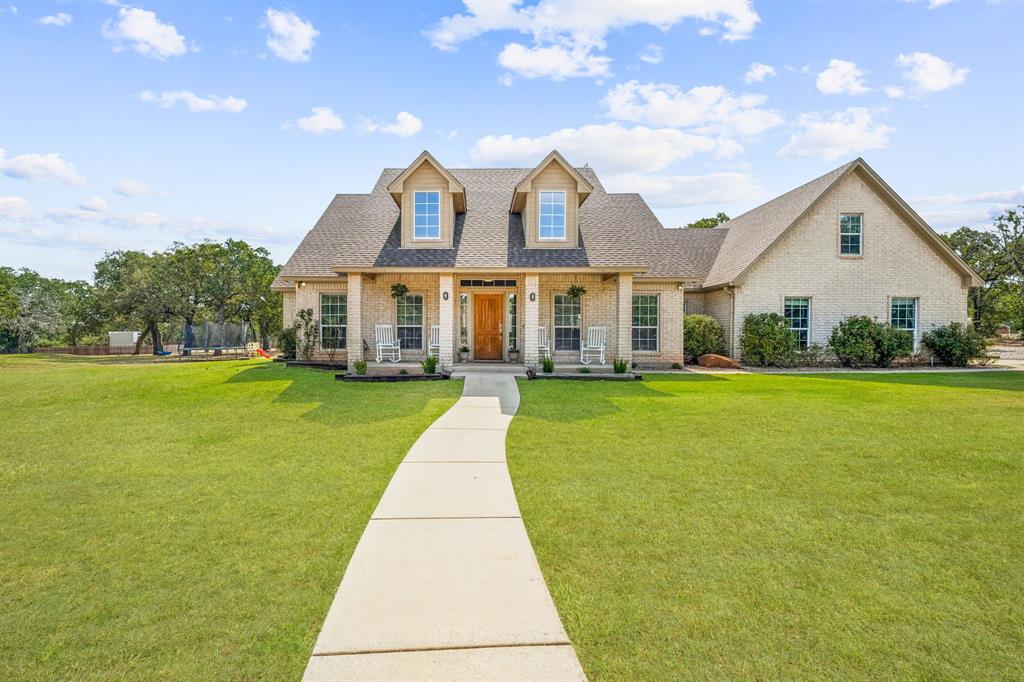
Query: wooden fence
column 101, row 349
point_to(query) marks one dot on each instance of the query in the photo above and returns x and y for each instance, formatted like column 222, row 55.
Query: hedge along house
column 488, row 254
column 843, row 244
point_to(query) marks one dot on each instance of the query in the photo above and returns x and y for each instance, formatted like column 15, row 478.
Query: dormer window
column 427, row 214
column 552, row 215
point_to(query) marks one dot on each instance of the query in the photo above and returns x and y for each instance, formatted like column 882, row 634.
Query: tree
column 1010, row 230
column 136, row 286
column 717, row 220
column 983, row 251
column 38, row 316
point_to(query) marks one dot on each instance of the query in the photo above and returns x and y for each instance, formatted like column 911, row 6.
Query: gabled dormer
column 428, row 197
column 547, row 200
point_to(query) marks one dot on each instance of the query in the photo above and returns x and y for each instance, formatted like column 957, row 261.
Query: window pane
column 333, row 318
column 409, row 318
column 904, row 313
column 567, row 322
column 797, row 312
column 645, row 322
column 850, row 231
column 427, row 215
column 552, row 215
column 513, row 324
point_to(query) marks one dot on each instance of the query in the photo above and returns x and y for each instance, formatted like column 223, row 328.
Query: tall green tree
column 136, row 286
column 983, row 252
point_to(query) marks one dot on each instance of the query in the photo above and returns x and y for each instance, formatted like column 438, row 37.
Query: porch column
column 531, row 317
column 354, row 305
column 446, row 320
column 624, row 332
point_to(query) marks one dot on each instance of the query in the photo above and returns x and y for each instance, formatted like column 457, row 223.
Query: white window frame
column 440, row 195
column 344, row 295
column 917, row 313
column 565, row 214
column 810, row 314
column 423, row 319
column 512, row 319
column 860, row 237
column 656, row 327
column 554, row 329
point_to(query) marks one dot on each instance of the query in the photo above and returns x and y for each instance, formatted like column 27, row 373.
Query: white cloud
column 758, row 72
column 168, row 98
column 841, row 77
column 610, row 147
column 40, row 168
column 555, row 62
column 16, row 209
column 652, row 54
column 932, row 4
column 570, row 32
column 58, row 19
column 928, row 73
column 321, row 121
column 149, row 36
column 290, row 38
column 1010, row 196
column 128, row 187
column 844, row 133
column 95, row 204
column 405, row 125
column 669, row 191
column 708, row 109
column 979, row 217
column 895, row 92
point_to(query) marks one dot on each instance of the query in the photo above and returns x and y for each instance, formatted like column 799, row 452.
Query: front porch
column 496, row 318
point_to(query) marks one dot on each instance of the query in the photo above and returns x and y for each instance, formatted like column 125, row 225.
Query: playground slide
column 263, row 352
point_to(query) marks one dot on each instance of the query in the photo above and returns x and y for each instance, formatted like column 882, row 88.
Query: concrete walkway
column 443, row 584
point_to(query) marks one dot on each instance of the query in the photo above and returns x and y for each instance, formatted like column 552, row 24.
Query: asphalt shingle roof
column 616, row 231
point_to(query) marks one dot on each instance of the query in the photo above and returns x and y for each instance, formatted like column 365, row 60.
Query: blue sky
column 131, row 126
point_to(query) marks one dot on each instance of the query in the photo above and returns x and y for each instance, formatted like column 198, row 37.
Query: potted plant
column 398, row 290
column 575, row 291
column 463, row 353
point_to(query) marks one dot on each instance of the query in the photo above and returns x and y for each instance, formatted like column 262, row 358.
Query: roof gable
column 752, row 235
column 456, row 188
column 583, row 186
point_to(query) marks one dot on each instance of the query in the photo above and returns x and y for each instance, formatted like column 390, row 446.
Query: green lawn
column 185, row 521
column 781, row 527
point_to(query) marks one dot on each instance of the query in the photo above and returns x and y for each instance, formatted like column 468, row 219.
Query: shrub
column 766, row 340
column 852, row 341
column 307, row 331
column 676, row 365
column 619, row 366
column 584, row 370
column 891, row 343
column 815, row 355
column 360, row 366
column 548, row 364
column 289, row 342
column 429, row 365
column 702, row 334
column 955, row 344
column 859, row 340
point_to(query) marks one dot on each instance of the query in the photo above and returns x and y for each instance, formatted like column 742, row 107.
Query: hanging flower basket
column 575, row 291
column 398, row 290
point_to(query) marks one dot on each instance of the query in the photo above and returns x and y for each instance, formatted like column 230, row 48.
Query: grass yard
column 781, row 527
column 185, row 521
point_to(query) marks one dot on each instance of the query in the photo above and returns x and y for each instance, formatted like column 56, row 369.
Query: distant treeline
column 156, row 293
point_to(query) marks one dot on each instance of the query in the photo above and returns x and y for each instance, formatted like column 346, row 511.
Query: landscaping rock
column 712, row 360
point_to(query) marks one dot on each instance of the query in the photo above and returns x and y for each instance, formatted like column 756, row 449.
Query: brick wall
column 380, row 308
column 896, row 262
column 308, row 296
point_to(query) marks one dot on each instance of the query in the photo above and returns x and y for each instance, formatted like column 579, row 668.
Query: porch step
column 461, row 369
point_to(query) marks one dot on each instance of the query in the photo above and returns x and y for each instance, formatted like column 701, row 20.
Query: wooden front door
column 487, row 327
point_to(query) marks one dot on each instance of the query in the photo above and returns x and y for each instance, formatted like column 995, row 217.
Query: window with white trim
column 797, row 312
column 903, row 314
column 426, row 215
column 513, row 323
column 645, row 322
column 567, row 322
column 409, row 321
column 463, row 321
column 851, row 234
column 333, row 321
column 552, row 215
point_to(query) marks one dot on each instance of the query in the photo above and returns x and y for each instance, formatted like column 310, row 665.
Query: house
column 487, row 255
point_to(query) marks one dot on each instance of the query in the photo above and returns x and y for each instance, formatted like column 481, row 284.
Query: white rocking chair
column 434, row 347
column 543, row 349
column 387, row 344
column 594, row 345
